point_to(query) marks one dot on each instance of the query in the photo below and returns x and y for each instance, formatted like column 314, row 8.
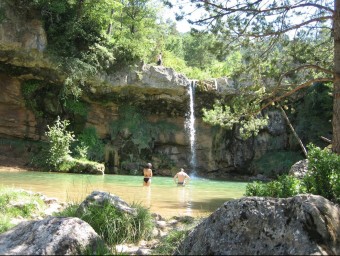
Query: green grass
column 118, row 227
column 113, row 225
column 16, row 203
column 170, row 242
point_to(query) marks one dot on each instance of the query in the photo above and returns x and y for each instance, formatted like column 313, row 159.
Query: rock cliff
column 139, row 113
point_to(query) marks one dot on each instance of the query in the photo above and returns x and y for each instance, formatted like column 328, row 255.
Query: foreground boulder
column 99, row 198
column 300, row 225
column 50, row 236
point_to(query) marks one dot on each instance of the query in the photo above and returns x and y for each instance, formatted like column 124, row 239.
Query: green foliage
column 90, row 146
column 69, row 211
column 100, row 249
column 59, row 140
column 312, row 115
column 2, row 14
column 76, row 107
column 197, row 51
column 17, row 203
column 115, row 226
column 29, row 89
column 170, row 242
column 323, row 176
column 284, row 186
column 273, row 163
column 240, row 112
column 256, row 188
column 133, row 121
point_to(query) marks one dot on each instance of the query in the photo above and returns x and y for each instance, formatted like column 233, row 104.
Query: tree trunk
column 109, row 29
column 336, row 85
column 293, row 131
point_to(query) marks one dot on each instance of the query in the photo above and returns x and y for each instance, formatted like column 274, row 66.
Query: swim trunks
column 181, row 183
column 146, row 180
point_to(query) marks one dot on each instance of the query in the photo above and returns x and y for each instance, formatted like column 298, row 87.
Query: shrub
column 59, row 142
column 90, row 146
column 323, row 175
column 284, row 186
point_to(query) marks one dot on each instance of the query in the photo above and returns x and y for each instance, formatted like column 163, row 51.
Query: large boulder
column 50, row 236
column 300, row 225
column 99, row 198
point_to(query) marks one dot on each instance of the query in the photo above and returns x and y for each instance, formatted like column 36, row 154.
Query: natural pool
column 199, row 198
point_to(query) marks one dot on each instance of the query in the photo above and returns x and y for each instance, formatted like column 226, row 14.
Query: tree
column 59, row 140
column 270, row 23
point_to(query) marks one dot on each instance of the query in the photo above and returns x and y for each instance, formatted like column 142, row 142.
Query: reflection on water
column 184, row 199
column 199, row 198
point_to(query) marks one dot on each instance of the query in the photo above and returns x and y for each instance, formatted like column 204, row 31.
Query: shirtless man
column 147, row 175
column 181, row 177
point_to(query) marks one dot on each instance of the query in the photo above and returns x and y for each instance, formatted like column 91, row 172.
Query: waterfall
column 190, row 126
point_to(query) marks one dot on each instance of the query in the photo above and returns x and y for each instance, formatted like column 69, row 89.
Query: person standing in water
column 181, row 177
column 147, row 171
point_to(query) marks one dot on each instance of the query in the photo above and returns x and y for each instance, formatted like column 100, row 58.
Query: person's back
column 181, row 177
column 147, row 172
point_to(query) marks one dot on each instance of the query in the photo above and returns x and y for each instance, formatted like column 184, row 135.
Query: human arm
column 175, row 177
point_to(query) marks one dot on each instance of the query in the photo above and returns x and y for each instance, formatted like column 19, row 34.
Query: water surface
column 199, row 198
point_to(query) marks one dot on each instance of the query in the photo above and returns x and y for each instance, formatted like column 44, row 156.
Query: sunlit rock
column 300, row 225
column 50, row 236
column 99, row 198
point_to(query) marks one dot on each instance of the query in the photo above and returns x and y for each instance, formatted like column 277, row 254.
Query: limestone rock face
column 17, row 31
column 50, row 236
column 16, row 120
column 300, row 225
column 158, row 93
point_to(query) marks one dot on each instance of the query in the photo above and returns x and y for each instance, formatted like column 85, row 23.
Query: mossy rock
column 82, row 166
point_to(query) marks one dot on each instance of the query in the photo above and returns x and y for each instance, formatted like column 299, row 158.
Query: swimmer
column 181, row 178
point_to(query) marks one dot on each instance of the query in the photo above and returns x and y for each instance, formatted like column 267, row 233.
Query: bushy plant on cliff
column 94, row 146
column 132, row 126
column 240, row 112
column 76, row 107
column 29, row 89
column 59, row 140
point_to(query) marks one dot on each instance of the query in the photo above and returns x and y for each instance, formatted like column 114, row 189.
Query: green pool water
column 199, row 198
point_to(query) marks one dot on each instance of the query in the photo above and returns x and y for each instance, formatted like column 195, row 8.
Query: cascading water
column 190, row 126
